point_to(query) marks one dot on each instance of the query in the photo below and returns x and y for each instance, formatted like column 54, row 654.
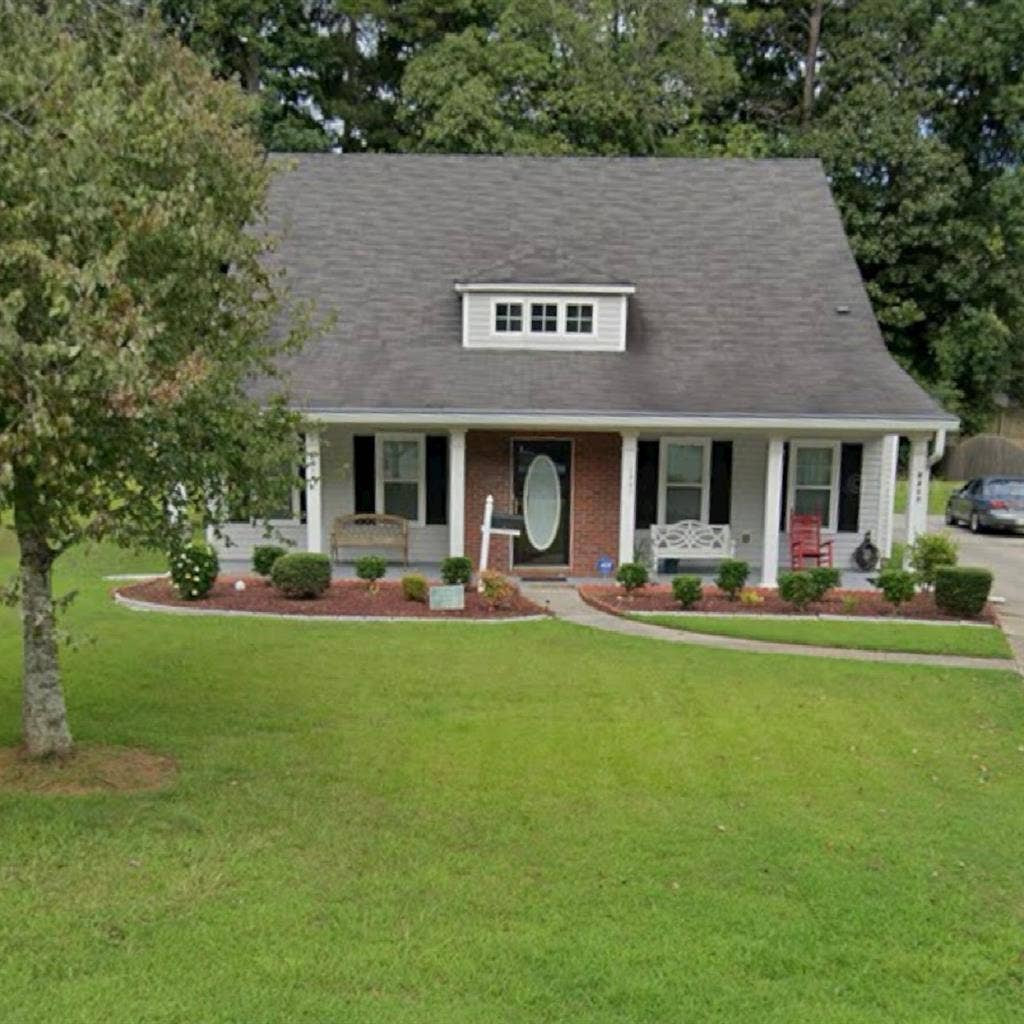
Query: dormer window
column 579, row 318
column 508, row 317
column 544, row 317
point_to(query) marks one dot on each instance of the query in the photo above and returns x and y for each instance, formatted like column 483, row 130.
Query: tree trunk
column 811, row 60
column 44, row 718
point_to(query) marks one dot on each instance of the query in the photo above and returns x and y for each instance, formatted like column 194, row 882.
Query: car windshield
column 1005, row 489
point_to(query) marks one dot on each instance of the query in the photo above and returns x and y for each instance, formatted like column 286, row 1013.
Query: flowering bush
column 194, row 570
column 497, row 589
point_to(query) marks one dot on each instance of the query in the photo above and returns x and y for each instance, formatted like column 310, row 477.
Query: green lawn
column 522, row 823
column 975, row 641
column 938, row 494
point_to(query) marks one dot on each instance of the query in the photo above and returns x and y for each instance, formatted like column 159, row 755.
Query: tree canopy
column 134, row 302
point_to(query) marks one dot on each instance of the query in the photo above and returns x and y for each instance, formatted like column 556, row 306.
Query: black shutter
column 437, row 480
column 784, row 497
column 721, row 482
column 646, row 483
column 364, row 471
column 849, row 487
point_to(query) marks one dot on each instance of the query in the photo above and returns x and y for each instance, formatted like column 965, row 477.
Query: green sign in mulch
column 447, row 598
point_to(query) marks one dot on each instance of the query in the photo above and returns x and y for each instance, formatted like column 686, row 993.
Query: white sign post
column 486, row 532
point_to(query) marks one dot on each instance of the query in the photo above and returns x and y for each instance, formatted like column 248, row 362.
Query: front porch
column 607, row 488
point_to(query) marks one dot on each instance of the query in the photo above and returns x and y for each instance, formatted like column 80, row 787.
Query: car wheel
column 975, row 523
column 950, row 518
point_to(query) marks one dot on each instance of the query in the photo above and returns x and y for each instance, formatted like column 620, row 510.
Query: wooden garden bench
column 370, row 530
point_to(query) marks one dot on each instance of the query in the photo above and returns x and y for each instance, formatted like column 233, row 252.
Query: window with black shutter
column 721, row 482
column 437, row 480
column 850, row 466
column 364, row 469
column 646, row 483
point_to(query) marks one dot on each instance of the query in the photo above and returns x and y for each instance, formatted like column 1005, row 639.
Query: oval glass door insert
column 542, row 502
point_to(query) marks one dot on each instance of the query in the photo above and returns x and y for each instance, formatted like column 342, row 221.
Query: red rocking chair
column 805, row 542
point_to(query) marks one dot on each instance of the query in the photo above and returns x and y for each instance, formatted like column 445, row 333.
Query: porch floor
column 851, row 579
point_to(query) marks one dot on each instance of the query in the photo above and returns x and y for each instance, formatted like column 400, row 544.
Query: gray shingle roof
column 738, row 266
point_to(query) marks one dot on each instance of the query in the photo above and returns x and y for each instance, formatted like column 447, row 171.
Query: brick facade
column 594, row 500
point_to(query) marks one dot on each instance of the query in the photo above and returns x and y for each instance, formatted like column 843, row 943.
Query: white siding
column 426, row 543
column 609, row 327
column 747, row 501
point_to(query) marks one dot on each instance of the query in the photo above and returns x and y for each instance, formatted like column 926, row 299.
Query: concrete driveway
column 1003, row 553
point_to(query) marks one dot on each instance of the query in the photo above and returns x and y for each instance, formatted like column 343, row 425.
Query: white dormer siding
column 555, row 318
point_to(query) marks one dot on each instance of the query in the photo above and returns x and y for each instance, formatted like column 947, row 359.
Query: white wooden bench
column 690, row 540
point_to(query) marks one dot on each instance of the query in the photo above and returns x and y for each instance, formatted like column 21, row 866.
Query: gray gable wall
column 738, row 266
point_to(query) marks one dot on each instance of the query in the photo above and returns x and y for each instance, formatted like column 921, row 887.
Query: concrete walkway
column 567, row 604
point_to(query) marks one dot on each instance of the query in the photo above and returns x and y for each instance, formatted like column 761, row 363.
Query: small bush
column 301, row 574
column 456, row 569
column 897, row 557
column 798, row 588
column 687, row 590
column 371, row 568
column 632, row 575
column 264, row 556
column 850, row 604
column 929, row 553
column 751, row 597
column 732, row 576
column 194, row 570
column 897, row 585
column 414, row 587
column 962, row 590
column 497, row 589
column 825, row 579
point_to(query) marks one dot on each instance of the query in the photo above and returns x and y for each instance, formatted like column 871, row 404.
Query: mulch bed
column 343, row 598
column 870, row 603
column 91, row 768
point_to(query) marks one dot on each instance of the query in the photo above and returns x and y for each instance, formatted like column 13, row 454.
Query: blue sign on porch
column 605, row 564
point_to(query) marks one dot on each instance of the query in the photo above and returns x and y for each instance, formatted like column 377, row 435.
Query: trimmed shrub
column 798, row 588
column 962, row 590
column 732, row 576
column 632, row 575
column 194, row 570
column 264, row 556
column 414, row 587
column 497, row 589
column 301, row 574
column 371, row 568
column 929, row 553
column 824, row 579
column 897, row 557
column 687, row 590
column 456, row 569
column 897, row 585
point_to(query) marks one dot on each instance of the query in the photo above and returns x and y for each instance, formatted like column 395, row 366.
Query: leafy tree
column 135, row 305
column 598, row 76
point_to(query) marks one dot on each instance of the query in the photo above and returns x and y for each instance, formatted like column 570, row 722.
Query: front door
column 541, row 487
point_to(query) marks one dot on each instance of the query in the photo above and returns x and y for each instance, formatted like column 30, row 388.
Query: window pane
column 579, row 318
column 682, row 503
column 508, row 316
column 814, row 467
column 401, row 499
column 813, row 501
column 544, row 317
column 401, row 460
column 685, row 464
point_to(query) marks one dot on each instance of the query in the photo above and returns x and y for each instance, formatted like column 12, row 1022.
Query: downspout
column 940, row 447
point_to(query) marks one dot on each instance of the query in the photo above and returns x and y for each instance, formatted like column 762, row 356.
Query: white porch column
column 627, row 497
column 457, row 492
column 314, row 497
column 918, row 474
column 887, row 493
column 772, row 498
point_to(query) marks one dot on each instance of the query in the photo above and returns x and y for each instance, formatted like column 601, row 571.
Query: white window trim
column 705, row 491
column 508, row 300
column 421, row 495
column 563, row 318
column 833, row 503
column 559, row 340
